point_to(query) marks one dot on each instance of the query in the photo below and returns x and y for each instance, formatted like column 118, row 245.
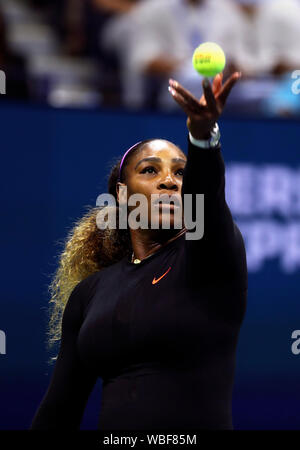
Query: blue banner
column 55, row 163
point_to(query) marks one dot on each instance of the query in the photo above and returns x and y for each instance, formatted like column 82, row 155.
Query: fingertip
column 173, row 83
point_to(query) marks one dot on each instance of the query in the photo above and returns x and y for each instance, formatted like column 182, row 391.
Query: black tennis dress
column 162, row 335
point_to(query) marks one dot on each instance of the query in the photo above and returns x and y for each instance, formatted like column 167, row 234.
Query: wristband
column 212, row 142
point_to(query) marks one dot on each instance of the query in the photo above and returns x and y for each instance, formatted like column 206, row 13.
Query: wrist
column 212, row 141
column 202, row 136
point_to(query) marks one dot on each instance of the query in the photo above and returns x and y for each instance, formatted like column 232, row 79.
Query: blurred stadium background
column 77, row 71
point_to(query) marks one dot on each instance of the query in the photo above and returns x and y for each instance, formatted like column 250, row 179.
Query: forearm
column 204, row 171
column 63, row 404
column 220, row 249
column 204, row 174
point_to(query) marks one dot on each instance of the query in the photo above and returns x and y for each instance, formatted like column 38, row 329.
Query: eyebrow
column 155, row 159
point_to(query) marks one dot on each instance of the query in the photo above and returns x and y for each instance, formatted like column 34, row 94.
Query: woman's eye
column 147, row 169
column 151, row 169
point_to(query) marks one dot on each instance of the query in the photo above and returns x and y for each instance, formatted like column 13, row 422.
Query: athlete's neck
column 147, row 242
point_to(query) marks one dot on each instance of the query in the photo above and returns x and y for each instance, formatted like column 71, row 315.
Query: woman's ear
column 121, row 190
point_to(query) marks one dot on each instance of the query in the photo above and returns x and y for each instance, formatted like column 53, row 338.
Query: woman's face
column 156, row 169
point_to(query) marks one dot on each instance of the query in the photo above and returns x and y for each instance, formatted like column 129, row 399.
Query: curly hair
column 86, row 250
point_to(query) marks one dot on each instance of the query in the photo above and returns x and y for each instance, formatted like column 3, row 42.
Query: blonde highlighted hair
column 86, row 250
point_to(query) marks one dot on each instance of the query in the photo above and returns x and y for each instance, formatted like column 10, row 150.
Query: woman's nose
column 168, row 183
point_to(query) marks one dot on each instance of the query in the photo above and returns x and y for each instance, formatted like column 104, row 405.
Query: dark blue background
column 54, row 163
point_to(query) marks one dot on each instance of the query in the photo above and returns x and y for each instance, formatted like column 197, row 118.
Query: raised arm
column 220, row 253
column 63, row 404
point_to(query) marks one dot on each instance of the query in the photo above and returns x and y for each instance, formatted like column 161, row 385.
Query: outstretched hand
column 204, row 113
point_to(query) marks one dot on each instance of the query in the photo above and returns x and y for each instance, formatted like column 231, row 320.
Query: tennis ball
column 209, row 59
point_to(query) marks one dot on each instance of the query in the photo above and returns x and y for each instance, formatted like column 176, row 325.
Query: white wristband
column 212, row 142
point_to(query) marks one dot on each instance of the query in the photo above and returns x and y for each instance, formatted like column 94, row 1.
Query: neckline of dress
column 150, row 257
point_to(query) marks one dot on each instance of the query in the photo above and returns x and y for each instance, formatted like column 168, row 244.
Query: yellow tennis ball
column 209, row 59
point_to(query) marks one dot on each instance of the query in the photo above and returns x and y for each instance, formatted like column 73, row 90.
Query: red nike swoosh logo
column 154, row 281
